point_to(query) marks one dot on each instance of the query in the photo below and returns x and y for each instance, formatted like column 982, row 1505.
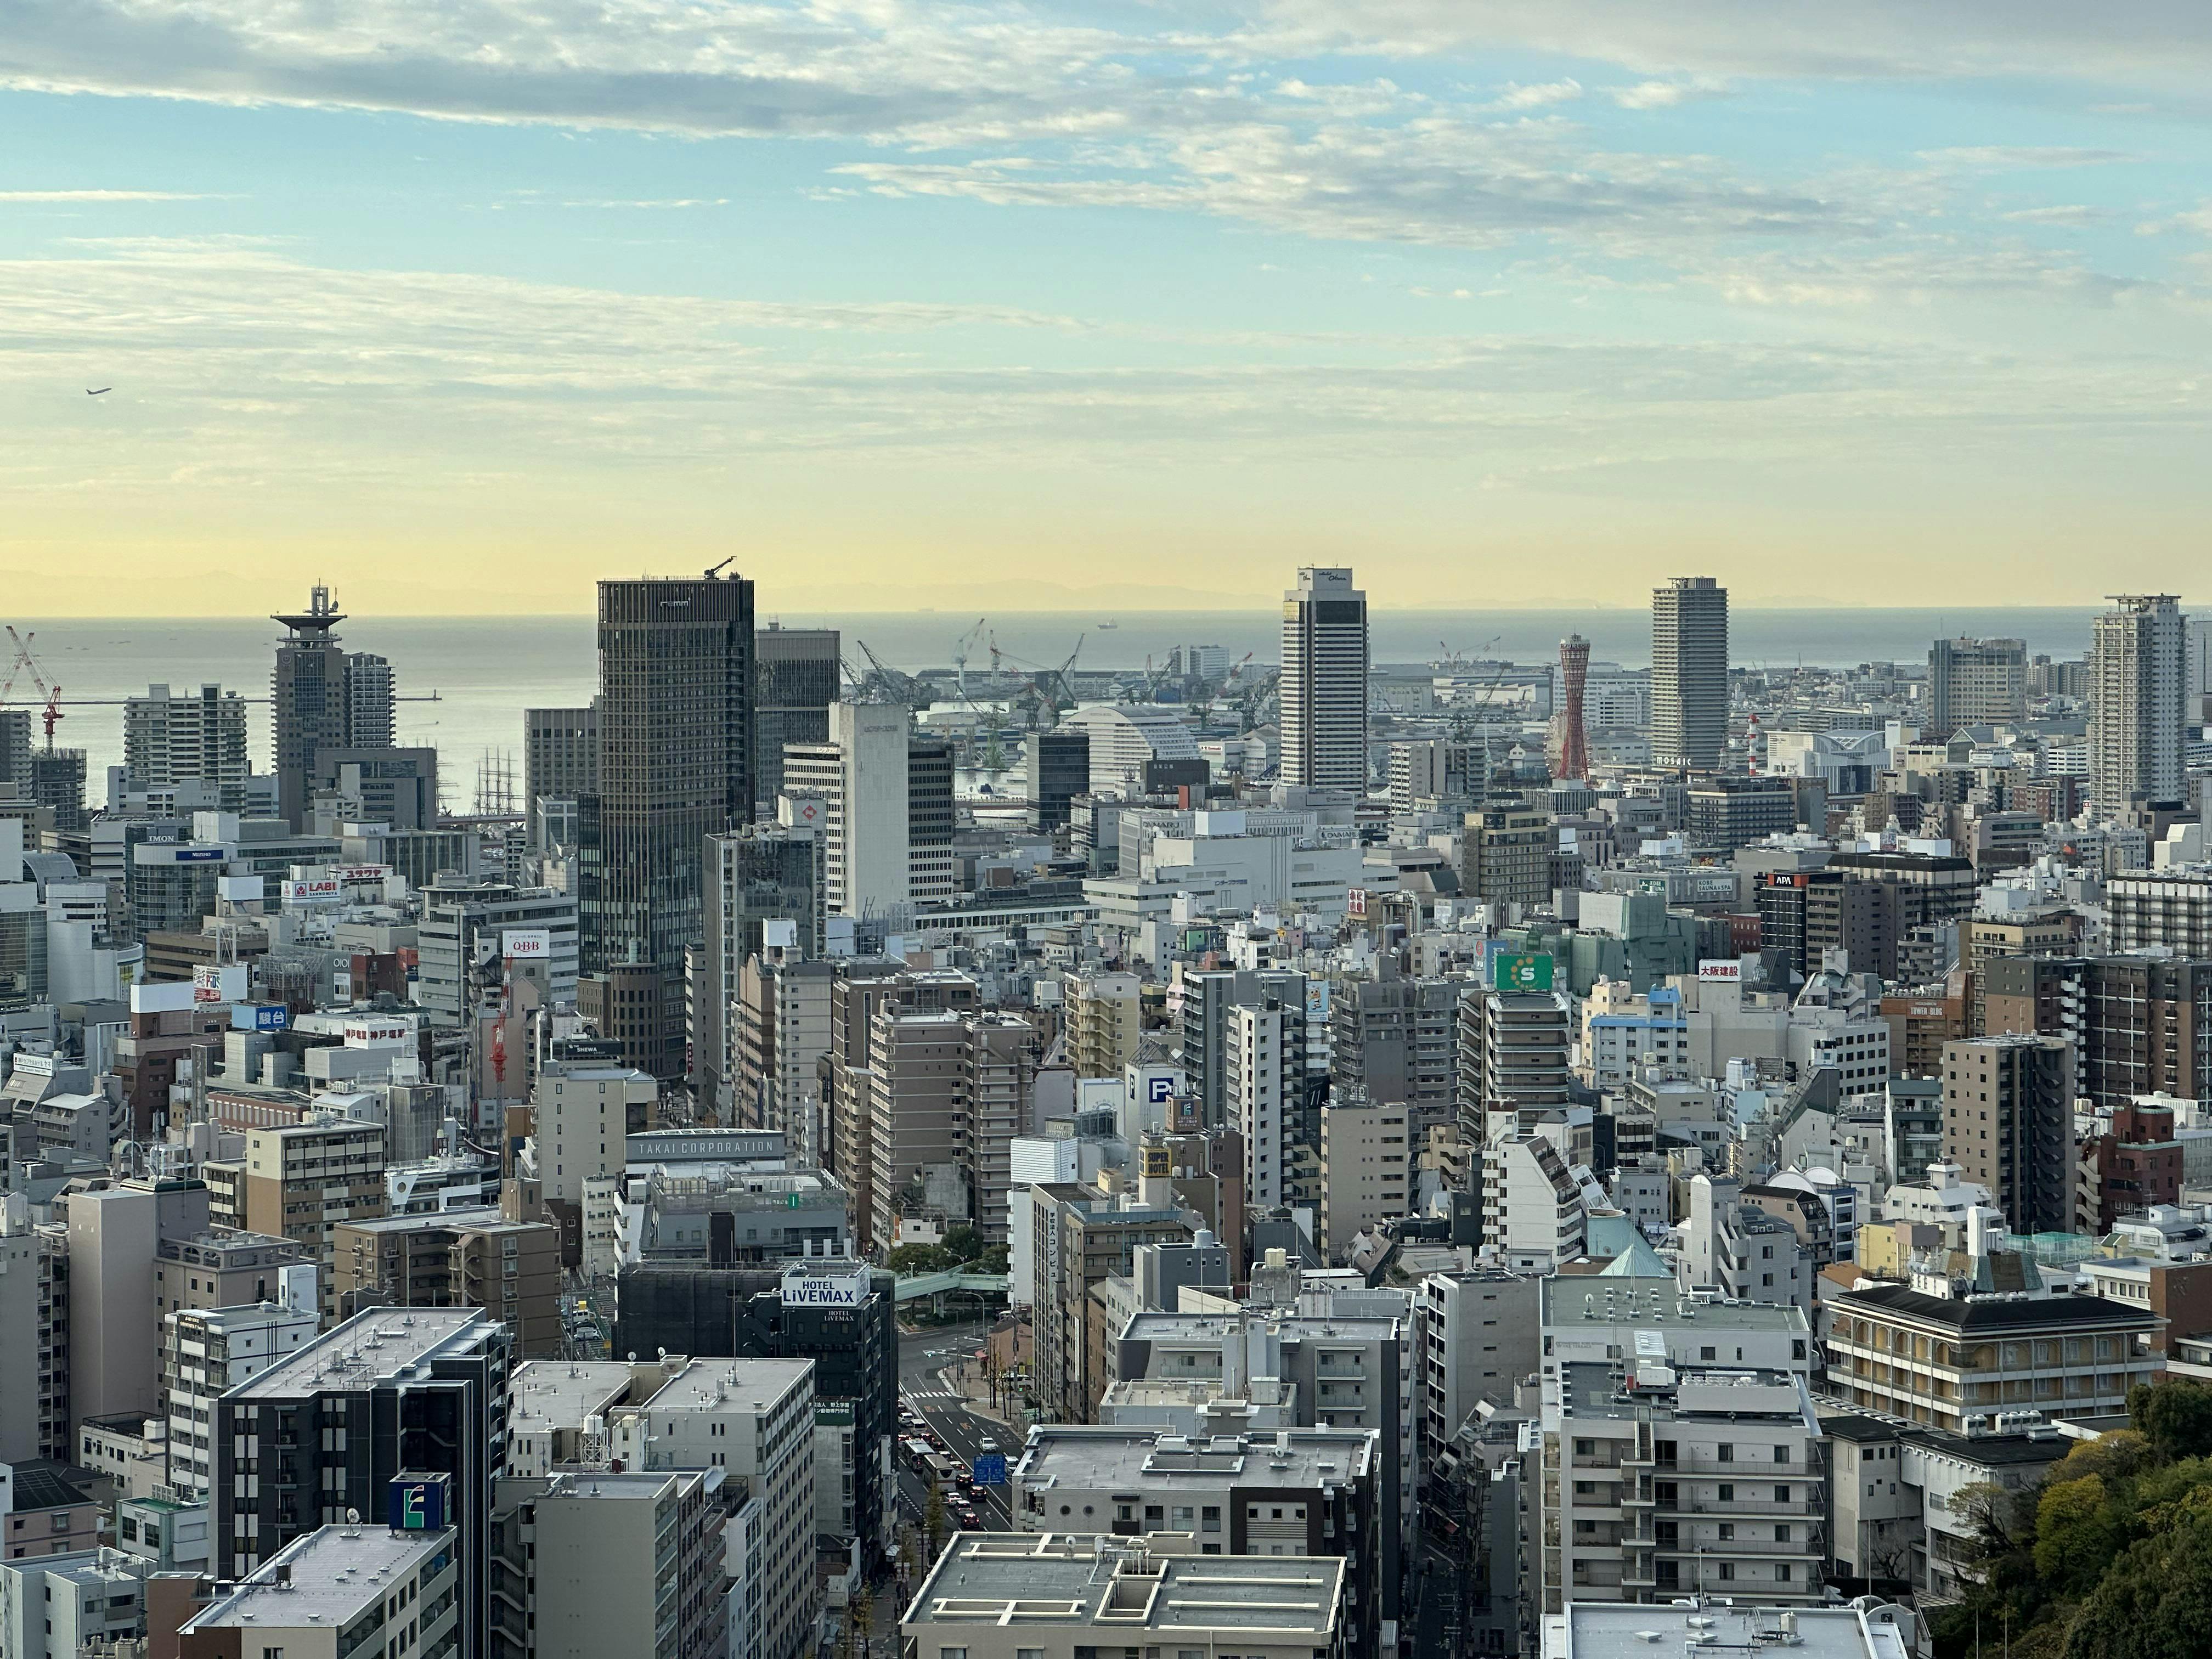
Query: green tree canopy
column 2077, row 1534
column 2175, row 1417
column 2155, row 1603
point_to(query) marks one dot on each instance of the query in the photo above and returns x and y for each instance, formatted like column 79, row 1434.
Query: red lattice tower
column 1574, row 675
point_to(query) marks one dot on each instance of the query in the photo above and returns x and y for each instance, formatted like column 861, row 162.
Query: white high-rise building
column 1689, row 673
column 169, row 738
column 2138, row 666
column 861, row 777
column 1258, row 1089
column 1324, row 690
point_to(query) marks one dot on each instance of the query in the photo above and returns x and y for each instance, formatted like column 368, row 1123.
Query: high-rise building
column 169, row 738
column 2008, row 1125
column 764, row 892
column 676, row 766
column 1974, row 683
column 322, row 697
column 1059, row 762
column 798, row 676
column 887, row 795
column 1689, row 673
column 560, row 764
column 2138, row 663
column 1324, row 689
column 419, row 1391
column 1571, row 751
column 1506, row 854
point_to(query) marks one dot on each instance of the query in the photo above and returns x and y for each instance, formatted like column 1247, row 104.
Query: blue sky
column 1501, row 303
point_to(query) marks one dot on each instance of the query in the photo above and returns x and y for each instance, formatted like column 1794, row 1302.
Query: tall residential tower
column 1689, row 673
column 1324, row 690
column 2138, row 657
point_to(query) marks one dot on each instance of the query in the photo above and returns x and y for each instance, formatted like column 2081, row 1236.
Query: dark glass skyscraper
column 323, row 697
column 676, row 766
column 799, row 676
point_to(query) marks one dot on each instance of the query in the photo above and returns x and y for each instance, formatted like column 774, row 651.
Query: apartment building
column 1366, row 1168
column 343, row 1591
column 207, row 1353
column 454, row 1259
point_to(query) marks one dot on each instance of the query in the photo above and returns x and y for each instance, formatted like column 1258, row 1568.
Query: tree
column 2119, row 1455
column 2077, row 1534
column 2155, row 1603
column 964, row 1244
column 933, row 1517
column 861, row 1617
column 995, row 1260
column 910, row 1259
column 2174, row 1416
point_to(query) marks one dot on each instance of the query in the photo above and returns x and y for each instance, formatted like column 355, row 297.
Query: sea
column 482, row 672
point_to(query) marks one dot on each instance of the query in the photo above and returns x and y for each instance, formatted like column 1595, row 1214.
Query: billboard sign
column 314, row 890
column 1316, row 1000
column 1720, row 970
column 418, row 1503
column 526, row 944
column 1521, row 970
column 812, row 1289
column 219, row 981
column 377, row 1034
column 1355, row 904
column 990, row 1469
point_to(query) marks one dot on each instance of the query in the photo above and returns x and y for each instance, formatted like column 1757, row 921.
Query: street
column 922, row 1355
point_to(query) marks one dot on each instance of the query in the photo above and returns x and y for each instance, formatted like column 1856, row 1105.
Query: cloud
column 672, row 202
column 2069, row 213
column 105, row 195
column 1516, row 96
column 2023, row 158
column 1656, row 95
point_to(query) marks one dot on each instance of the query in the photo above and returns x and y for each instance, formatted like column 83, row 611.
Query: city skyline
column 1085, row 304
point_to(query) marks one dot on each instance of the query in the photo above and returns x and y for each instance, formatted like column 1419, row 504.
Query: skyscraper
column 2138, row 663
column 1689, row 673
column 1572, row 758
column 799, row 676
column 675, row 766
column 323, row 697
column 1972, row 681
column 1324, row 690
column 864, row 776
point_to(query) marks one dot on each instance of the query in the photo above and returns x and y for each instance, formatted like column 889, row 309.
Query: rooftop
column 328, row 1577
column 1066, row 1581
column 1997, row 1313
column 1152, row 1325
column 562, row 1392
column 1602, row 1629
column 42, row 1484
column 706, row 1385
column 376, row 1344
column 1628, row 1299
column 1083, row 1456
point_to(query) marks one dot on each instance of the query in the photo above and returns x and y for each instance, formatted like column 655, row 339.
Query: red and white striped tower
column 1574, row 674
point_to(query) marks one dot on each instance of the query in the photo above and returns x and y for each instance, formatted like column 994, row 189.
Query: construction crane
column 880, row 682
column 26, row 663
column 716, row 570
column 961, row 649
column 1048, row 688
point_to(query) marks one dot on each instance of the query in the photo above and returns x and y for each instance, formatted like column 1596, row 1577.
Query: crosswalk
column 931, row 1394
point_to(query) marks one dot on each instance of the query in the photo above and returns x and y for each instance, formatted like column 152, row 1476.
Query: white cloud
column 103, row 196
column 1539, row 96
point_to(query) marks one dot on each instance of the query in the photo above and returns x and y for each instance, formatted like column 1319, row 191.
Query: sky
column 1501, row 302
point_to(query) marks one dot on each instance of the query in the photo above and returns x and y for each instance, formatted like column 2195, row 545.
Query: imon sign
column 825, row 1290
column 526, row 944
column 1720, row 969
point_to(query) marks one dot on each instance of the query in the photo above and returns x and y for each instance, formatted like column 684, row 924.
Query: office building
column 1506, row 856
column 1324, row 685
column 1689, row 674
column 1077, row 1240
column 1367, row 1161
column 454, row 1259
column 2008, row 1125
column 764, row 897
column 91, row 1601
column 559, row 767
column 1944, row 1361
column 323, row 697
column 1080, row 1595
column 1058, row 765
column 34, row 1362
column 1396, row 1038
column 1434, row 771
column 1728, row 812
column 676, row 766
column 463, row 944
column 862, row 776
column 170, row 739
column 799, row 674
column 419, row 1391
column 752, row 1419
column 1974, row 683
column 1294, row 1493
column 1105, row 1021
column 205, row 1354
column 588, row 1562
column 2137, row 670
column 348, row 1590
column 779, row 1034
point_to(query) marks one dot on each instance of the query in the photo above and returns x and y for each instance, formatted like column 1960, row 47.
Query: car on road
column 986, row 1444
column 970, row 1522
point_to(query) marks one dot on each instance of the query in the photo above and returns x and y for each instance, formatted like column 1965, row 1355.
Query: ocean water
column 487, row 671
